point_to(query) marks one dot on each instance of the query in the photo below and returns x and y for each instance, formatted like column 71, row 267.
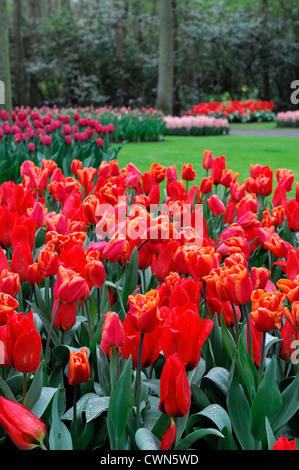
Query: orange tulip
column 231, row 284
column 144, row 311
column 79, row 367
column 293, row 316
column 9, row 282
column 267, row 310
column 8, row 305
column 158, row 172
column 289, row 288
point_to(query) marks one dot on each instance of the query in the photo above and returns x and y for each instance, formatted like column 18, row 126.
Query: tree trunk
column 19, row 68
column 266, row 75
column 176, row 94
column 34, row 92
column 5, row 76
column 165, row 72
column 118, row 35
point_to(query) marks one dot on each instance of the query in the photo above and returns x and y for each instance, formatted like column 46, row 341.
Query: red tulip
column 25, row 429
column 47, row 260
column 188, row 173
column 259, row 277
column 292, row 213
column 283, row 443
column 94, row 268
column 289, row 336
column 184, row 333
column 113, row 335
column 23, row 342
column 216, row 206
column 175, row 394
column 206, row 185
column 21, row 260
column 207, row 159
column 151, row 344
column 69, row 286
column 218, row 166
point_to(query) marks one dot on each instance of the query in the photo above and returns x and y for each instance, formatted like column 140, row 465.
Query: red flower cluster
column 231, row 108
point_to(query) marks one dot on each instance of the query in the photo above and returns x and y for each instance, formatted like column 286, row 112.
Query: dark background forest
column 170, row 54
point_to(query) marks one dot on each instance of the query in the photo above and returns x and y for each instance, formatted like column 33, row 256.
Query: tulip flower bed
column 288, row 119
column 133, row 125
column 49, row 133
column 236, row 110
column 196, row 125
column 130, row 321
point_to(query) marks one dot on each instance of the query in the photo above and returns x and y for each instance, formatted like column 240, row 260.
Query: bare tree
column 165, row 74
column 5, row 75
column 34, row 92
column 19, row 67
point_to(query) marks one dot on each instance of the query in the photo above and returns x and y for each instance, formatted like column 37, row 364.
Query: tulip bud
column 113, row 335
column 79, row 368
column 188, row 173
column 25, row 429
column 169, row 436
column 175, row 394
column 215, row 204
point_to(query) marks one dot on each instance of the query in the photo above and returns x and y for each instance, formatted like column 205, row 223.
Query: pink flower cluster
column 288, row 117
column 175, row 122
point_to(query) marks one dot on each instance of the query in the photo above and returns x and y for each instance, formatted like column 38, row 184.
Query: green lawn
column 240, row 152
column 255, row 125
column 258, row 126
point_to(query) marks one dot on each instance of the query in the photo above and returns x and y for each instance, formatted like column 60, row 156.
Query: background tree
column 165, row 73
column 19, row 54
column 107, row 52
column 5, row 74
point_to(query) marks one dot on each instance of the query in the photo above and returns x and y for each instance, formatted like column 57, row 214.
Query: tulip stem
column 205, row 298
column 137, row 386
column 262, row 359
column 99, row 303
column 74, row 422
column 24, row 386
column 249, row 330
column 117, row 364
column 113, row 369
column 50, row 331
column 236, row 324
column 88, row 318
